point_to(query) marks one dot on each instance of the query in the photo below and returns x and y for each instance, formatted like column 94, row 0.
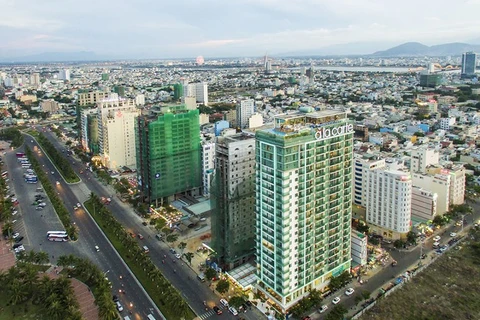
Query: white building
column 208, row 163
column 64, row 74
column 116, row 122
column 255, row 121
column 198, row 90
column 457, row 181
column 361, row 168
column 421, row 158
column 35, row 79
column 424, row 204
column 439, row 184
column 389, row 202
column 245, row 109
column 359, row 248
column 446, row 123
column 140, row 99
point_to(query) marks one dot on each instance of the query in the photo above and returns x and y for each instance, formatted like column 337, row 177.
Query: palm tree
column 182, row 245
column 17, row 292
column 189, row 257
column 66, row 260
column 106, row 307
column 172, row 237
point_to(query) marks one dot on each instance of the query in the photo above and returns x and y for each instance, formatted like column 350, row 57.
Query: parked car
column 178, row 256
column 336, row 300
column 233, row 311
column 19, row 239
column 436, row 238
column 453, row 234
column 224, row 302
column 15, row 235
column 119, row 306
column 322, row 309
column 140, row 236
column 349, row 291
column 173, row 251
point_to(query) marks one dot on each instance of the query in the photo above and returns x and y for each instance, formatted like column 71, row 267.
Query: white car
column 119, row 306
column 233, row 311
column 436, row 238
column 14, row 212
column 453, row 234
column 323, row 309
column 336, row 300
column 19, row 249
column 349, row 291
column 178, row 255
column 16, row 235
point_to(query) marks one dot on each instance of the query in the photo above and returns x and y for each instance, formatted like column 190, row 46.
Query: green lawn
column 136, row 269
column 447, row 290
column 17, row 312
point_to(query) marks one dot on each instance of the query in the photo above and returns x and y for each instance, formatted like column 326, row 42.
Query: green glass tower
column 177, row 91
column 168, row 153
column 303, row 203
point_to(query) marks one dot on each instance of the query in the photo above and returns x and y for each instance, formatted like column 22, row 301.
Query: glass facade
column 168, row 153
column 303, row 203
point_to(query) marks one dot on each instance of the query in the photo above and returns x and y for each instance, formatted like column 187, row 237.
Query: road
column 406, row 260
column 181, row 276
column 36, row 223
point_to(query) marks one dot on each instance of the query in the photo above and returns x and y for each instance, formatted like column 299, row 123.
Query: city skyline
column 248, row 28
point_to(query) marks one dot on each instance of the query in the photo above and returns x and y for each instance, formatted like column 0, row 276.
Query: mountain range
column 358, row 49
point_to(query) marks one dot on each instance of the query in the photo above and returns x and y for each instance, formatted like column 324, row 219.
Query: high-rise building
column 245, row 109
column 362, row 165
column 424, row 204
column 64, row 75
column 168, row 153
column 436, row 183
column 116, row 123
column 208, row 164
column 177, row 91
column 35, row 79
column 198, row 90
column 303, row 203
column 389, row 202
column 233, row 200
column 49, row 105
column 469, row 64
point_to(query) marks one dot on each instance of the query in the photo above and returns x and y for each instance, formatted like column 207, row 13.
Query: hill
column 412, row 49
column 54, row 57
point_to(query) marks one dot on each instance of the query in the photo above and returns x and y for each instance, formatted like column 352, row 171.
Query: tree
column 182, row 245
column 210, row 273
column 188, row 256
column 236, row 301
column 412, row 237
column 337, row 313
column 398, row 244
column 438, row 220
column 172, row 237
column 366, row 294
column 160, row 224
column 223, row 286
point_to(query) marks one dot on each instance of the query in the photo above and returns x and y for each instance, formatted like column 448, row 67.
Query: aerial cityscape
column 230, row 175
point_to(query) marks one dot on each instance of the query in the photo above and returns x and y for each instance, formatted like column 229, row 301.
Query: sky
column 230, row 28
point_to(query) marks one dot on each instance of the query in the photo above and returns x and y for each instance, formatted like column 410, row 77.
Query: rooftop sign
column 326, row 133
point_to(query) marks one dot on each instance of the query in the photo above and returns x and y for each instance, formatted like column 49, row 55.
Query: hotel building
column 303, row 203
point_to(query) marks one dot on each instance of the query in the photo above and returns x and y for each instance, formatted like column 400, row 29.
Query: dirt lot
column 448, row 289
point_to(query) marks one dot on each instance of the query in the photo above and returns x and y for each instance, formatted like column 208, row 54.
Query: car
column 115, row 298
column 178, row 255
column 19, row 239
column 224, row 302
column 16, row 245
column 436, row 238
column 453, row 234
column 53, row 172
column 14, row 212
column 336, row 300
column 15, row 235
column 14, row 199
column 322, row 309
column 172, row 251
column 217, row 310
column 39, row 208
column 203, row 219
column 349, row 291
column 119, row 306
column 140, row 236
column 233, row 311
column 57, row 183
column 79, row 205
column 19, row 249
column 423, row 256
column 81, row 171
column 97, row 248
column 13, row 221
column 249, row 303
column 42, row 204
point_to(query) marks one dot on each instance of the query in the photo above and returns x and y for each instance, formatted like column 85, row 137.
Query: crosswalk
column 210, row 313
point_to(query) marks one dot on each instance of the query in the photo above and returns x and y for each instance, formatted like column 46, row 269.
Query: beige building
column 424, row 204
column 421, row 158
column 116, row 123
column 49, row 106
column 92, row 97
column 457, row 184
column 439, row 184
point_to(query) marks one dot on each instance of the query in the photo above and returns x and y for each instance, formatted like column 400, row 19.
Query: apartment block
column 424, row 204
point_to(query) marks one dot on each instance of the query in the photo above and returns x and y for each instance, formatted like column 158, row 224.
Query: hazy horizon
column 212, row 28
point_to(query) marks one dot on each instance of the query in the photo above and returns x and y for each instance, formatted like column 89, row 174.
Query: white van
column 436, row 244
column 150, row 317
